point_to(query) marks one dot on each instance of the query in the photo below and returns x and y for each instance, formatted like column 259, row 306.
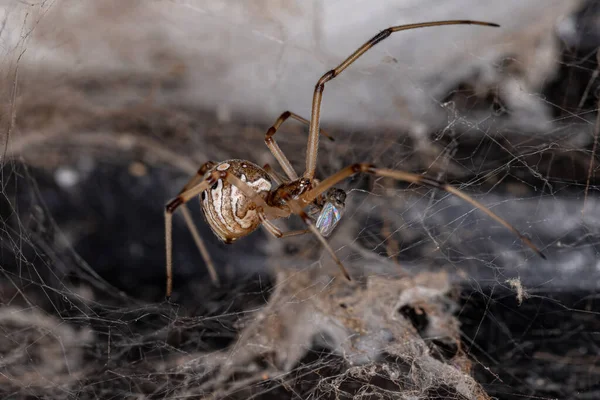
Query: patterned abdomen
column 226, row 208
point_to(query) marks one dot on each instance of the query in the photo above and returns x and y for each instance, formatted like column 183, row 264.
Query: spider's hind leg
column 200, row 244
column 190, row 223
column 183, row 197
column 276, row 150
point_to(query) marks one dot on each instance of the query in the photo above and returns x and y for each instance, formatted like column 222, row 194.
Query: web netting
column 445, row 302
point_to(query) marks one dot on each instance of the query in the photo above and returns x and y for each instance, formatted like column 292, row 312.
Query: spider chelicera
column 237, row 196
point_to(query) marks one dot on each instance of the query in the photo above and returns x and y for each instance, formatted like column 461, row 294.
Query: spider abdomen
column 228, row 211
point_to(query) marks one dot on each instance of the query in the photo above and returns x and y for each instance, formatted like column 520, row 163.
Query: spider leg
column 198, row 177
column 253, row 195
column 192, row 228
column 194, row 191
column 309, row 196
column 313, row 137
column 278, row 179
column 278, row 233
column 297, row 209
column 276, row 150
column 200, row 244
column 170, row 208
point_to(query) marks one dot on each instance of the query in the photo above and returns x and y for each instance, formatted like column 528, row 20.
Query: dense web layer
column 446, row 303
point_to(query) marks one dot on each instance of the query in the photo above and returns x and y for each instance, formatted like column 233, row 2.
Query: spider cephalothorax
column 237, row 196
column 293, row 189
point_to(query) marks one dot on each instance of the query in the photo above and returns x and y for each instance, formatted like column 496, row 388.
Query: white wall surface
column 263, row 57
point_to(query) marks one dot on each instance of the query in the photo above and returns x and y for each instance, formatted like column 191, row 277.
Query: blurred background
column 109, row 107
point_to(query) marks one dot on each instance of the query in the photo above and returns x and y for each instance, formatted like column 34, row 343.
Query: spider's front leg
column 404, row 176
column 312, row 147
column 276, row 150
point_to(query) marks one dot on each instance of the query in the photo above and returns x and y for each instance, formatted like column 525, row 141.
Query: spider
column 238, row 196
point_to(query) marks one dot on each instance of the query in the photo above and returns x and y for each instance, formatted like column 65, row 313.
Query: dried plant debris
column 390, row 338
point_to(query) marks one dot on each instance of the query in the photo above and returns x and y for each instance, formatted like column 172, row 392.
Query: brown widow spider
column 237, row 196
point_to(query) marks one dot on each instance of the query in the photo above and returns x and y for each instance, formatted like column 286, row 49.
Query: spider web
column 445, row 302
